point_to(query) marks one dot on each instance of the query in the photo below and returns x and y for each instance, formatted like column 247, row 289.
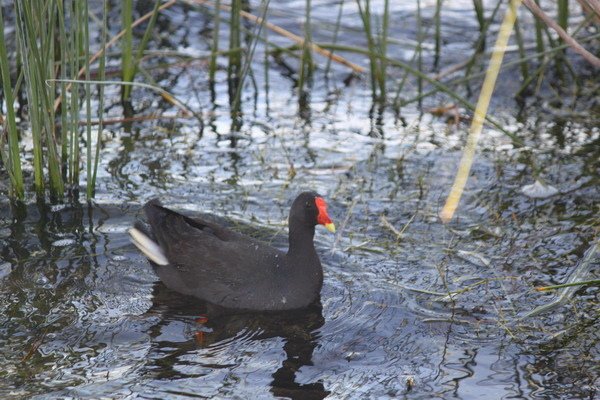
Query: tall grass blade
column 383, row 51
column 480, row 14
column 306, row 62
column 212, row 66
column 127, row 66
column 11, row 159
column 35, row 32
column 265, row 40
column 365, row 14
column 563, row 14
column 336, row 31
column 31, row 86
column 74, row 104
column 438, row 32
column 88, row 104
column 64, row 66
column 539, row 37
column 132, row 64
column 47, row 94
column 102, row 74
column 419, row 49
column 563, row 19
column 235, row 55
column 519, row 38
column 256, row 35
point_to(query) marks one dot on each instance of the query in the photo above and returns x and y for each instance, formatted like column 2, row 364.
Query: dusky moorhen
column 205, row 260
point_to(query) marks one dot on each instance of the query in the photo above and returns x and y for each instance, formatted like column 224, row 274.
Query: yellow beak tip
column 330, row 227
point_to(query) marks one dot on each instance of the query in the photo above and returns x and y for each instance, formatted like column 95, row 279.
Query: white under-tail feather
column 150, row 248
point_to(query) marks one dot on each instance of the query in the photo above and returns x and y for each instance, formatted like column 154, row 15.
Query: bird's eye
column 307, row 205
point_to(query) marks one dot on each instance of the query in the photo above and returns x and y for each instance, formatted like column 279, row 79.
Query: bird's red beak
column 323, row 217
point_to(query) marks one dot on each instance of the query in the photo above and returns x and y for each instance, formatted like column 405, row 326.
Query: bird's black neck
column 301, row 240
column 303, row 261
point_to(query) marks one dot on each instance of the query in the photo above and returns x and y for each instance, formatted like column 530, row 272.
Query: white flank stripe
column 147, row 246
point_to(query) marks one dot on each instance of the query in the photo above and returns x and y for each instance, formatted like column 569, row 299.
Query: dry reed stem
column 480, row 112
column 535, row 9
column 591, row 7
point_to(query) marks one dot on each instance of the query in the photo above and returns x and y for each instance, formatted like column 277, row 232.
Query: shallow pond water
column 83, row 316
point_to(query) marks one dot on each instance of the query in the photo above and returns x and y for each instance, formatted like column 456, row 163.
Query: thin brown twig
column 399, row 233
column 137, row 118
column 34, row 346
column 450, row 70
column 535, row 9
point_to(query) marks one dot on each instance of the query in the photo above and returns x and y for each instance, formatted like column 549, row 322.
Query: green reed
column 212, row 66
column 563, row 13
column 563, row 21
column 265, row 40
column 256, row 36
column 92, row 169
column 74, row 42
column 129, row 60
column 235, row 55
column 306, row 70
column 52, row 46
column 11, row 158
column 419, row 50
column 127, row 66
column 53, row 41
column 336, row 31
column 521, row 45
column 35, row 42
column 480, row 14
column 438, row 31
column 539, row 36
column 377, row 48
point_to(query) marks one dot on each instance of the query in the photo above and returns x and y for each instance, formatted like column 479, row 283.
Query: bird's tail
column 149, row 247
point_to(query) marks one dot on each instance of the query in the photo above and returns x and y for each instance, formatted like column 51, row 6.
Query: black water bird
column 203, row 259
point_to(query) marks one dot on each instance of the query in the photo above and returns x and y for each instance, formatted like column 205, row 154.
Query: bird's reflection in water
column 212, row 327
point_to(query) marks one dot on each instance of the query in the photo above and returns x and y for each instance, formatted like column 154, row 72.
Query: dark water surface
column 83, row 316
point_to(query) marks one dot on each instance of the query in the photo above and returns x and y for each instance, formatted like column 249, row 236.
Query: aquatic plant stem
column 246, row 68
column 480, row 112
column 419, row 49
column 336, row 31
column 306, row 63
column 535, row 9
column 11, row 159
column 438, row 85
column 141, row 46
column 283, row 32
column 212, row 66
column 234, row 67
column 507, row 65
column 521, row 46
column 114, row 40
column 88, row 108
column 437, row 17
column 102, row 71
column 595, row 282
column 127, row 70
